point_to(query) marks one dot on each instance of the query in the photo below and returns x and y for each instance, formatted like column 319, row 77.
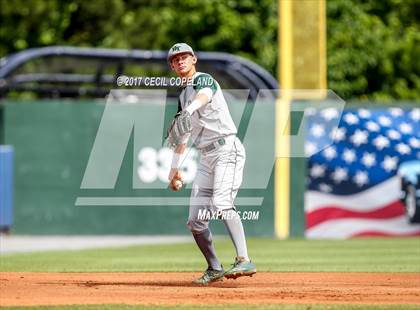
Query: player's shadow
column 220, row 284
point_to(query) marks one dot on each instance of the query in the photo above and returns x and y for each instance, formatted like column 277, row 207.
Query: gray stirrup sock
column 236, row 231
column 204, row 242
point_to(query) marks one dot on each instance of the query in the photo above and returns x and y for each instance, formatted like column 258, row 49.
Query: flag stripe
column 346, row 228
column 336, row 212
column 371, row 199
column 370, row 233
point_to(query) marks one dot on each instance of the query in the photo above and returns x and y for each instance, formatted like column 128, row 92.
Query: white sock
column 236, row 231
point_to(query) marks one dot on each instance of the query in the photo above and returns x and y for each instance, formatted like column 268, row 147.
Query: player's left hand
column 183, row 122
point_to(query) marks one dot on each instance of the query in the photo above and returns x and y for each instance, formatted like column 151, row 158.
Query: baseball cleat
column 241, row 268
column 209, row 276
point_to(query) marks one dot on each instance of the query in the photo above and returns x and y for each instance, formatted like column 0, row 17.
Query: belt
column 212, row 146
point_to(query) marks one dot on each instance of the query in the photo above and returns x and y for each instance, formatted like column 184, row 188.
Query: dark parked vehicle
column 409, row 173
column 59, row 72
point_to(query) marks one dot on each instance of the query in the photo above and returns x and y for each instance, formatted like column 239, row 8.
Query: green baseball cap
column 179, row 48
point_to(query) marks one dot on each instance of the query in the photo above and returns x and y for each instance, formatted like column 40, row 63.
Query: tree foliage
column 373, row 46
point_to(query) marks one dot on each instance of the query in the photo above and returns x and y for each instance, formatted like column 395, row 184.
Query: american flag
column 352, row 185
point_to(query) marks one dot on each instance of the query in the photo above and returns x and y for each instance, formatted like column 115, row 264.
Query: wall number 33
column 154, row 165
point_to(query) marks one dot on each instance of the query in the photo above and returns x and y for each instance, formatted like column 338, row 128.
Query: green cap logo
column 176, row 48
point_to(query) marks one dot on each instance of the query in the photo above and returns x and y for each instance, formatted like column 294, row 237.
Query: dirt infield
column 176, row 288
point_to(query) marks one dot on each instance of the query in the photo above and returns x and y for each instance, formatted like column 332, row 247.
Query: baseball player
column 203, row 116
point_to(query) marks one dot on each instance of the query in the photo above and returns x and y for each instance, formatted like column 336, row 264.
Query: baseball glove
column 180, row 126
column 183, row 122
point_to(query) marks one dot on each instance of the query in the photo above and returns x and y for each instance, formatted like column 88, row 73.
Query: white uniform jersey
column 212, row 121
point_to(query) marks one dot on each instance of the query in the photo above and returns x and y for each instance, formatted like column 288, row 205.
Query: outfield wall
column 53, row 141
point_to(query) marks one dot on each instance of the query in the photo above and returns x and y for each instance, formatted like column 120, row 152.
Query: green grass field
column 367, row 255
column 364, row 255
